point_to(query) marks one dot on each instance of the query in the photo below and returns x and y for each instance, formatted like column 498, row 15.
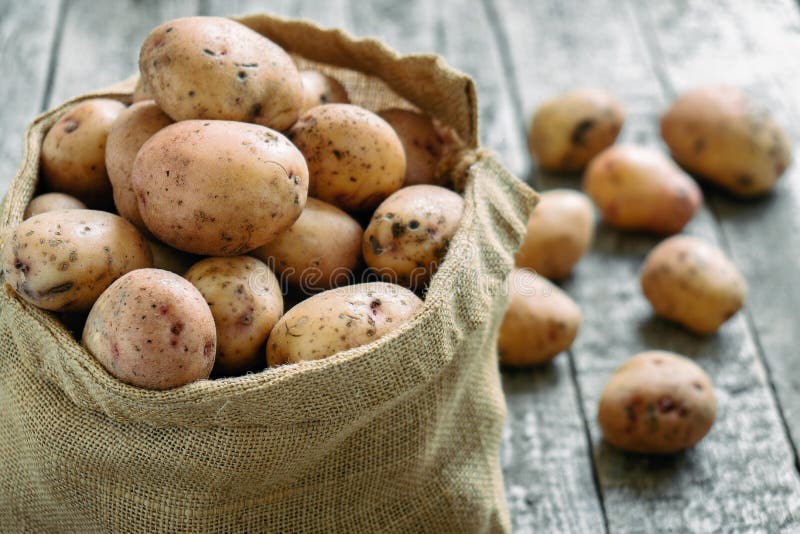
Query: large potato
column 422, row 143
column 319, row 251
column 246, row 301
column 129, row 132
column 560, row 231
column 718, row 133
column 567, row 131
column 152, row 329
column 638, row 188
column 219, row 188
column 410, row 231
column 657, row 402
column 692, row 283
column 215, row 68
column 541, row 321
column 51, row 202
column 62, row 260
column 73, row 151
column 340, row 319
column 354, row 157
column 319, row 89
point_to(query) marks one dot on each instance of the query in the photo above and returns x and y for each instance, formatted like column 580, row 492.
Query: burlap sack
column 400, row 435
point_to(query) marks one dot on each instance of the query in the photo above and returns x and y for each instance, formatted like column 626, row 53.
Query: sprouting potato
column 319, row 89
column 51, row 202
column 422, row 142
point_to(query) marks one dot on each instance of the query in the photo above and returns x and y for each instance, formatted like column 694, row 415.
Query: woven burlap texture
column 400, row 435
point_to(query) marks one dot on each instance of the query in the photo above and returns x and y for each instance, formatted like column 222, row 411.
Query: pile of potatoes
column 186, row 224
column 657, row 402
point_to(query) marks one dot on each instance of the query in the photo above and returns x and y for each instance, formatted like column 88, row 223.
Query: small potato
column 141, row 91
column 52, row 202
column 422, row 143
column 246, row 301
column 219, row 188
column 129, row 132
column 73, row 151
column 566, row 132
column 319, row 251
column 152, row 329
column 169, row 259
column 410, row 231
column 541, row 321
column 692, row 283
column 354, row 157
column 216, row 68
column 657, row 403
column 340, row 319
column 560, row 231
column 62, row 260
column 638, row 188
column 719, row 134
column 319, row 89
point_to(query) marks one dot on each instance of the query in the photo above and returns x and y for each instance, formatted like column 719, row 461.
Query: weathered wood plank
column 27, row 38
column 741, row 476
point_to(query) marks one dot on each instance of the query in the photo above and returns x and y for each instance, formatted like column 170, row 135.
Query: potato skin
column 541, row 321
column 152, row 329
column 170, row 259
column 691, row 282
column 657, row 403
column 559, row 233
column 215, row 68
column 141, row 91
column 51, row 202
column 422, row 142
column 319, row 89
column 73, row 151
column 133, row 127
column 354, row 157
column 339, row 319
column 320, row 250
column 246, row 301
column 719, row 134
column 63, row 260
column 567, row 131
column 410, row 231
column 638, row 188
column 219, row 188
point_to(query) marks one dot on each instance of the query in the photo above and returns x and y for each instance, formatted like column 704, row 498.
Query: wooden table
column 560, row 476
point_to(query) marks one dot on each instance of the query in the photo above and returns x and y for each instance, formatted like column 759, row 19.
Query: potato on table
column 152, row 329
column 657, row 402
column 638, row 188
column 422, row 142
column 319, row 89
column 692, row 282
column 51, row 202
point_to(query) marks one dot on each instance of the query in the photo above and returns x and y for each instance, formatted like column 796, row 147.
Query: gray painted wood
column 742, row 476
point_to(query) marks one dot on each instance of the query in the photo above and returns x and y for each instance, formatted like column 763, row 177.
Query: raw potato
column 219, row 188
column 560, row 232
column 541, row 321
column 693, row 283
column 319, row 89
column 410, row 231
column 354, row 157
column 141, row 91
column 246, row 301
column 320, row 250
column 63, row 260
column 657, row 402
column 215, row 68
column 340, row 319
column 638, row 188
column 718, row 133
column 169, row 259
column 422, row 143
column 566, row 132
column 73, row 151
column 51, row 202
column 129, row 132
column 152, row 329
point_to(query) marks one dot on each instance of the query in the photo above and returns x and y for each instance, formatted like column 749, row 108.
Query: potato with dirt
column 340, row 319
column 63, row 260
column 51, row 202
column 657, row 402
column 638, row 188
column 319, row 89
column 246, row 301
column 423, row 144
column 720, row 134
column 152, row 329
column 693, row 283
column 219, row 188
